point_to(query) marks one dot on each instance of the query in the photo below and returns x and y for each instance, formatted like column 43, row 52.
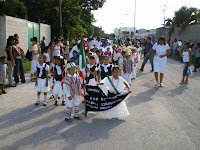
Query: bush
column 27, row 65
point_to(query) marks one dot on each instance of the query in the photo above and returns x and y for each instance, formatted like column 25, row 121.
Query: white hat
column 69, row 65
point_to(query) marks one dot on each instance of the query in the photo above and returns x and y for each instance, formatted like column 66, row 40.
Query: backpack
column 28, row 55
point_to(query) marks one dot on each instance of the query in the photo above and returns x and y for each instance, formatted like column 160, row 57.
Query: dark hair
column 62, row 62
column 56, row 40
column 9, row 41
column 16, row 39
column 162, row 39
column 92, row 57
column 101, row 57
column 45, row 48
column 149, row 38
column 16, row 35
column 44, row 57
column 188, row 44
column 198, row 44
column 87, row 51
column 35, row 39
column 114, row 68
column 106, row 56
column 3, row 57
column 97, row 51
column 113, row 35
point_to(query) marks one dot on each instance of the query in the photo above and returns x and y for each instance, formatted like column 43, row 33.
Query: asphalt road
column 160, row 119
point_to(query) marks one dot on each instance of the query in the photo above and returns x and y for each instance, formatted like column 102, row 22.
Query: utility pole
column 164, row 10
column 134, row 19
column 60, row 4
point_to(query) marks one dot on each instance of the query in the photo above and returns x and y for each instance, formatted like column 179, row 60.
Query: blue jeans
column 185, row 70
column 19, row 65
column 149, row 57
column 174, row 53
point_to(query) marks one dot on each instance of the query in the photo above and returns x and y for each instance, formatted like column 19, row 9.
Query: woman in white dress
column 119, row 83
column 161, row 51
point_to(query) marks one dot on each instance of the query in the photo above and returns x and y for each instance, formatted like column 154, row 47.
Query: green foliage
column 76, row 14
column 183, row 18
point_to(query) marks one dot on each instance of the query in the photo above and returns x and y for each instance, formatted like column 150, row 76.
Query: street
column 160, row 118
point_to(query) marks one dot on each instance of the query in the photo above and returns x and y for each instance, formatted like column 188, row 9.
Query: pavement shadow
column 80, row 133
column 177, row 91
column 142, row 97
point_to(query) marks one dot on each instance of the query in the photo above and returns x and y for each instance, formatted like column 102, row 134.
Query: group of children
column 66, row 82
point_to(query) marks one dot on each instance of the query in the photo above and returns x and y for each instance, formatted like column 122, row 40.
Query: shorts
column 159, row 66
column 33, row 66
column 2, row 79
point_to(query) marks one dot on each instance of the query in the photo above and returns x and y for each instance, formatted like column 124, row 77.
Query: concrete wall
column 190, row 33
column 11, row 25
column 2, row 34
column 17, row 26
column 45, row 30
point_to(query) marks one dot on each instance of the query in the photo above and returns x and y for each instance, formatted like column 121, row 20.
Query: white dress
column 120, row 110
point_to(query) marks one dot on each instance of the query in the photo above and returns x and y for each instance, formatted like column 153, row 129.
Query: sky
column 149, row 14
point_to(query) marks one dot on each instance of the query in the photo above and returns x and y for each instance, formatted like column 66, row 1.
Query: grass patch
column 27, row 65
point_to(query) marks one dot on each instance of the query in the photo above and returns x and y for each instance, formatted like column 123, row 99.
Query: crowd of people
column 110, row 64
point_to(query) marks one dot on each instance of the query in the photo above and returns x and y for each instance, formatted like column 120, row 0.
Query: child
column 98, row 53
column 52, row 70
column 58, row 78
column 72, row 88
column 75, row 57
column 119, row 83
column 46, row 53
column 41, row 83
column 121, row 62
column 87, row 56
column 91, row 71
column 105, row 69
column 108, row 52
column 3, row 67
column 134, row 59
column 128, row 68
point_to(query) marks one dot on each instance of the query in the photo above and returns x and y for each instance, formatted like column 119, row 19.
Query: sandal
column 181, row 82
column 69, row 120
column 78, row 118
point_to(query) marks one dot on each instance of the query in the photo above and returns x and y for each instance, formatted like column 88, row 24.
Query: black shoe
column 12, row 85
column 194, row 71
column 56, row 103
column 52, row 96
column 4, row 92
column 58, row 97
column 45, row 104
column 37, row 103
column 141, row 70
column 63, row 103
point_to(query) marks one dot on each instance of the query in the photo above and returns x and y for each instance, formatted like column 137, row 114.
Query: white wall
column 45, row 30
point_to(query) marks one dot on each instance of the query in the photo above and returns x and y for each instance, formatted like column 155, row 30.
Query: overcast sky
column 149, row 13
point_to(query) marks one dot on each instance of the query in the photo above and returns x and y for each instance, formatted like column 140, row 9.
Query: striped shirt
column 128, row 66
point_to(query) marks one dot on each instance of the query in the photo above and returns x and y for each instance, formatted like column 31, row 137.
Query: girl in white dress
column 120, row 83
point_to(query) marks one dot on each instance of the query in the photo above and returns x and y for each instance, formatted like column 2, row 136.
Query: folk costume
column 115, row 86
column 71, row 86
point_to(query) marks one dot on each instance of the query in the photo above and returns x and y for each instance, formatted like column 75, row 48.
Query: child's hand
column 86, row 69
column 36, row 83
column 70, row 98
column 46, row 84
column 129, row 91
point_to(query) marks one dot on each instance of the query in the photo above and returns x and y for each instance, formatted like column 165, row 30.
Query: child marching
column 41, row 84
column 71, row 85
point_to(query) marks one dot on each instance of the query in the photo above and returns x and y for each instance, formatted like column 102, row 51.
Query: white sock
column 63, row 98
column 56, row 97
column 45, row 98
column 38, row 98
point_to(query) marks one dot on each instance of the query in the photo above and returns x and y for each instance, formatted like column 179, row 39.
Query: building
column 25, row 29
column 116, row 32
column 126, row 31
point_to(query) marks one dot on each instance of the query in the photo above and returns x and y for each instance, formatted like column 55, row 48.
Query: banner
column 96, row 100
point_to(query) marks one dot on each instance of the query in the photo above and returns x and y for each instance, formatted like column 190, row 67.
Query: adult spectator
column 161, row 51
column 174, row 49
column 35, row 49
column 148, row 54
column 55, row 49
column 42, row 43
column 16, row 36
column 18, row 53
column 10, row 59
column 197, row 59
column 114, row 39
column 187, row 60
column 98, row 42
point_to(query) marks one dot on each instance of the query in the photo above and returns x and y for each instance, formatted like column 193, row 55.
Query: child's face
column 58, row 62
column 128, row 57
column 98, row 53
column 71, row 71
column 47, row 50
column 106, row 60
column 53, row 60
column 92, row 61
column 108, row 49
column 101, row 61
column 123, row 54
column 17, row 42
column 75, row 54
column 116, row 72
column 41, row 59
column 3, row 61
